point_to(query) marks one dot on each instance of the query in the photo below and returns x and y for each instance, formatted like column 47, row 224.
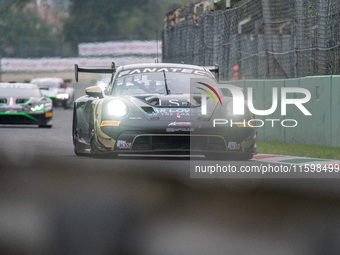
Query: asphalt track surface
column 53, row 202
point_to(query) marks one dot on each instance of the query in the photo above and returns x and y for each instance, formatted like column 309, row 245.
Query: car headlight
column 48, row 107
column 63, row 96
column 117, row 108
column 38, row 108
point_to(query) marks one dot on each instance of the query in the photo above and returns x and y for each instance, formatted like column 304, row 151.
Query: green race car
column 23, row 103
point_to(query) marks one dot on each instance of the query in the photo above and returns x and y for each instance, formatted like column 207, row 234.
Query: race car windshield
column 19, row 92
column 154, row 83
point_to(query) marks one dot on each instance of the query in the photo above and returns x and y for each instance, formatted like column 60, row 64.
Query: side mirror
column 94, row 91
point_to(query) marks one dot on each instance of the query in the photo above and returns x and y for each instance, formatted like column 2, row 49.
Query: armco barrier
column 322, row 128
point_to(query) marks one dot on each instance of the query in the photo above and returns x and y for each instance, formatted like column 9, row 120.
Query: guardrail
column 64, row 64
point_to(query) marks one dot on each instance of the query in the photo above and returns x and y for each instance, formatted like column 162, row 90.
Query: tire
column 65, row 105
column 74, row 126
column 68, row 104
column 74, row 135
column 45, row 125
column 94, row 149
column 77, row 152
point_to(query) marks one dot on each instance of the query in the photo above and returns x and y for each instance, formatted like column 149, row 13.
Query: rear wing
column 214, row 70
column 94, row 69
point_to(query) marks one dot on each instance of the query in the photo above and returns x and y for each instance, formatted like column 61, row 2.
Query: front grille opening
column 3, row 100
column 148, row 110
column 21, row 100
column 188, row 143
column 210, row 143
column 16, row 119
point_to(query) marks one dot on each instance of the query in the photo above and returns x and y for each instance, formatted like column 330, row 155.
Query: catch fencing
column 258, row 39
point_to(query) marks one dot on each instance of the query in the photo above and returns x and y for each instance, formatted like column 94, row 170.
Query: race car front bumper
column 25, row 118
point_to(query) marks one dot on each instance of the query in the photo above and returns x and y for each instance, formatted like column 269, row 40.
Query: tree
column 7, row 5
column 107, row 20
column 23, row 33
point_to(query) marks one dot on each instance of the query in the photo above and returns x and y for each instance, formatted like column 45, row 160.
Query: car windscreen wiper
column 166, row 84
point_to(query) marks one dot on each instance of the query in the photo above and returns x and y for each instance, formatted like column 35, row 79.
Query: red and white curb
column 296, row 160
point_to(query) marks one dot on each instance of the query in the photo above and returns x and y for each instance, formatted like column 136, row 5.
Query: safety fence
column 258, row 39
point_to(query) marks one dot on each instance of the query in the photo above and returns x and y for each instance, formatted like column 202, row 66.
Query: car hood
column 172, row 106
column 52, row 92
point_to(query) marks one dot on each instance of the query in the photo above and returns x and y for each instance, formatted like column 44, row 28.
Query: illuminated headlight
column 117, row 108
column 38, row 108
column 63, row 96
column 48, row 107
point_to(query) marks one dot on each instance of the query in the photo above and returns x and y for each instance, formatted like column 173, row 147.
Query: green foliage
column 104, row 20
column 24, row 34
column 301, row 150
column 7, row 5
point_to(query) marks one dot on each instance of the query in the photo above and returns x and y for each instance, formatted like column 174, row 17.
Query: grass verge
column 301, row 150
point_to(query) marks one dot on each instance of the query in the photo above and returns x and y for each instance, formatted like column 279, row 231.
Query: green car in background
column 57, row 90
column 23, row 103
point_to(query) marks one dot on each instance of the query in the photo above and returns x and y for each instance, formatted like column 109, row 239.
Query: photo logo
column 239, row 100
column 204, row 99
column 209, row 93
column 280, row 100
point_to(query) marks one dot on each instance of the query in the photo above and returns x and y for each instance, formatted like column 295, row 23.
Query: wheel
column 94, row 148
column 76, row 151
column 68, row 103
column 65, row 105
column 74, row 135
column 45, row 125
column 74, row 127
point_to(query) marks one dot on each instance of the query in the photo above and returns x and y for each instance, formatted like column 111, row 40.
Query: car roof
column 160, row 65
column 18, row 85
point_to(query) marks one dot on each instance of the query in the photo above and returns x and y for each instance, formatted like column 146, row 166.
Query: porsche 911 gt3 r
column 56, row 89
column 23, row 103
column 159, row 109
